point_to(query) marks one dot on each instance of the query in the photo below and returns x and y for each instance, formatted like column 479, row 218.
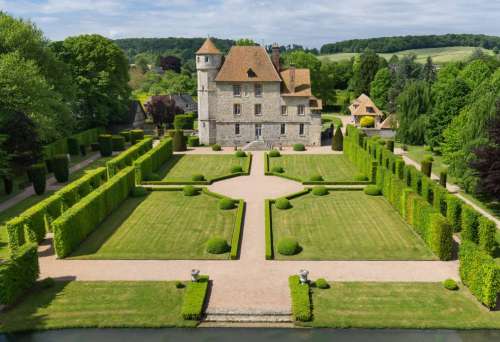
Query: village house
column 248, row 97
column 364, row 106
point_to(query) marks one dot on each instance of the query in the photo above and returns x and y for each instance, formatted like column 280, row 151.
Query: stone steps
column 257, row 145
column 247, row 316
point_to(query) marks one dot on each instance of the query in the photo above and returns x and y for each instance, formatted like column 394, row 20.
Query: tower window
column 301, row 109
column 283, row 129
column 236, row 109
column 237, row 129
column 258, row 109
column 301, row 129
column 236, row 90
column 206, row 59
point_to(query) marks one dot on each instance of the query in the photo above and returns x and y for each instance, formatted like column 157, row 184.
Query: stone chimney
column 292, row 78
column 275, row 56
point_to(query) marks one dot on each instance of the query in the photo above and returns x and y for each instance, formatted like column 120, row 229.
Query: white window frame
column 237, row 93
column 237, row 129
column 302, row 129
column 236, row 105
column 285, row 112
column 283, row 129
column 301, row 110
column 257, row 105
column 258, row 86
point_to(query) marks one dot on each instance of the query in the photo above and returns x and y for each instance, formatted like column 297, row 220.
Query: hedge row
column 61, row 146
column 76, row 223
column 152, row 160
column 194, row 299
column 269, row 231
column 127, row 158
column 479, row 273
column 301, row 299
column 18, row 273
column 236, row 237
column 33, row 223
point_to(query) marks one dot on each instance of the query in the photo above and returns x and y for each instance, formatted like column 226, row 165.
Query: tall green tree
column 364, row 72
column 100, row 70
column 380, row 88
column 429, row 73
column 245, row 42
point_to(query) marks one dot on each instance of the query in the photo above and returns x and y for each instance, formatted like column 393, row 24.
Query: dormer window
column 251, row 73
column 370, row 110
column 206, row 59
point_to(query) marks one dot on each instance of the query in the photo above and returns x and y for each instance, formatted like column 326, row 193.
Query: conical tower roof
column 208, row 48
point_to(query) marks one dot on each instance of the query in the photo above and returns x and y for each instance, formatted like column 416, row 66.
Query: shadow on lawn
column 165, row 168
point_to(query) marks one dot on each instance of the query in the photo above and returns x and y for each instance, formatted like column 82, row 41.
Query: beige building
column 364, row 106
column 247, row 97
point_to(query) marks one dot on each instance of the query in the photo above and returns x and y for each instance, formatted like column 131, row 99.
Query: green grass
column 81, row 304
column 161, row 225
column 13, row 212
column 346, row 225
column 333, row 168
column 439, row 55
column 399, row 305
column 181, row 168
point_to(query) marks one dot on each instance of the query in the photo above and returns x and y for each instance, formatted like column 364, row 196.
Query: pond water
column 251, row 335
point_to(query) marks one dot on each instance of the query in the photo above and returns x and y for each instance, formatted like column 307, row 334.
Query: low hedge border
column 301, row 299
column 238, row 224
column 269, row 230
column 194, row 299
column 337, row 183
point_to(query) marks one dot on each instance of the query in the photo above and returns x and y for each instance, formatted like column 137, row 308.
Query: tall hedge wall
column 19, row 273
column 152, row 160
column 85, row 138
column 76, row 223
column 127, row 158
column 32, row 224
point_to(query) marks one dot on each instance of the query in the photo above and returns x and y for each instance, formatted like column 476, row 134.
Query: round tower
column 208, row 62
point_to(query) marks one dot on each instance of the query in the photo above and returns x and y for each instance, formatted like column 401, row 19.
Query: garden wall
column 60, row 146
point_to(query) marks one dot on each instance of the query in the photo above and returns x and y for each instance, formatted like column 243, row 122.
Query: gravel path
column 250, row 283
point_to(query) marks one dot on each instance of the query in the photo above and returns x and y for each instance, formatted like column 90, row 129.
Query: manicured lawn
column 346, row 225
column 12, row 212
column 399, row 305
column 332, row 167
column 81, row 304
column 162, row 225
column 183, row 167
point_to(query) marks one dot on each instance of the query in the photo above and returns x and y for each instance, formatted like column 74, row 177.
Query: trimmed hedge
column 61, row 146
column 443, row 175
column 105, row 145
column 38, row 174
column 193, row 141
column 288, row 246
column 338, row 140
column 299, row 147
column 194, row 299
column 60, row 166
column 226, row 203
column 190, row 190
column 470, row 224
column 486, row 235
column 76, row 223
column 450, row 284
column 217, row 245
column 283, row 203
column 454, row 211
column 480, row 273
column 128, row 157
column 426, row 167
column 183, row 121
column 73, row 146
column 18, row 273
column 320, row 191
column 269, row 231
column 216, row 147
column 126, row 135
column 372, row 190
column 301, row 299
column 118, row 142
column 179, row 141
column 152, row 160
column 236, row 237
column 274, row 153
column 136, row 135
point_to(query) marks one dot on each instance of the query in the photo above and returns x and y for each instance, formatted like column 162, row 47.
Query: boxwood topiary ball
column 216, row 147
column 198, row 178
column 321, row 283
column 360, row 178
column 190, row 190
column 217, row 245
column 274, row 153
column 299, row 147
column 277, row 169
column 226, row 203
column 450, row 284
column 240, row 154
column 316, row 178
column 283, row 203
column 320, row 191
column 372, row 190
column 288, row 246
column 236, row 169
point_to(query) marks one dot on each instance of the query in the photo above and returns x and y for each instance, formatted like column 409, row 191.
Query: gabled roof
column 208, row 48
column 360, row 105
column 391, row 122
column 248, row 64
column 302, row 86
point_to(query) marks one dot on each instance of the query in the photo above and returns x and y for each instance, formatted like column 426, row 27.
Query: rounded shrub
column 198, row 178
column 179, row 141
column 320, row 191
column 179, row 285
column 450, row 284
column 316, row 178
column 105, row 145
column 288, row 246
column 372, row 190
column 136, row 135
column 60, row 166
column 367, row 122
column 240, row 154
column 118, row 142
column 226, row 203
column 299, row 147
column 360, row 178
column 193, row 141
column 38, row 174
column 321, row 283
column 217, row 245
column 216, row 147
column 277, row 169
column 73, row 146
column 236, row 169
column 283, row 203
column 274, row 153
column 189, row 190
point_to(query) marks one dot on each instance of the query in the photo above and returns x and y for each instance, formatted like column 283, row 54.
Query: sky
column 308, row 23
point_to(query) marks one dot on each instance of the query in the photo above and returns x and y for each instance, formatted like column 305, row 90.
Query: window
column 237, row 129
column 258, row 109
column 258, row 90
column 236, row 109
column 198, row 59
column 301, row 109
column 370, row 110
column 283, row 110
column 283, row 129
column 301, row 129
column 236, row 90
column 206, row 59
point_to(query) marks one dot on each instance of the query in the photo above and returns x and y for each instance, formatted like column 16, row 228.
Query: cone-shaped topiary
column 277, row 169
column 189, row 190
column 118, row 142
column 193, row 141
column 60, row 166
column 338, row 140
column 236, row 169
column 105, row 145
column 283, row 203
column 136, row 135
column 38, row 177
column 426, row 167
column 390, row 145
column 216, row 147
column 226, row 203
column 321, row 283
column 217, row 245
column 240, row 154
column 274, row 153
column 372, row 190
column 198, row 178
column 316, row 178
column 179, row 141
column 299, row 147
column 320, row 191
column 443, row 175
column 288, row 246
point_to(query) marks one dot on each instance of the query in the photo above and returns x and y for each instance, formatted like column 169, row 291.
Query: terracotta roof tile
column 360, row 105
column 208, row 48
